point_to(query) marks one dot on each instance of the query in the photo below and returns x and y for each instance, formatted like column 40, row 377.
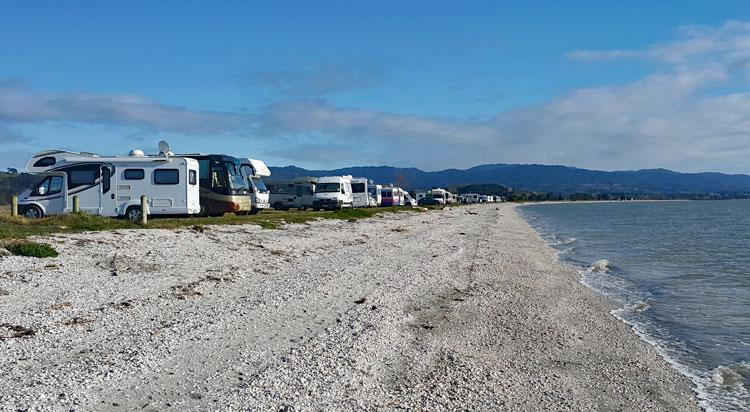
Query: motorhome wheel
column 134, row 214
column 32, row 212
column 255, row 211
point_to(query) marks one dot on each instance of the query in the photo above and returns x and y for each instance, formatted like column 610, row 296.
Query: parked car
column 428, row 201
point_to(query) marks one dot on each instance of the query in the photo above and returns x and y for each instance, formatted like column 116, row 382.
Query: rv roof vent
column 137, row 153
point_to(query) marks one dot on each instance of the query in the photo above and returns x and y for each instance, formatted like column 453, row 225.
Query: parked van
column 361, row 192
column 288, row 194
column 440, row 195
column 112, row 186
column 254, row 170
column 376, row 195
column 223, row 185
column 333, row 192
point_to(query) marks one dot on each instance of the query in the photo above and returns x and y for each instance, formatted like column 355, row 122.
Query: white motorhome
column 296, row 193
column 361, row 192
column 471, row 198
column 440, row 195
column 112, row 186
column 333, row 192
column 376, row 195
column 408, row 200
column 259, row 197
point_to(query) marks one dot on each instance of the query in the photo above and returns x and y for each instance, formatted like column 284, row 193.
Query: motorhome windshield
column 259, row 185
column 358, row 188
column 327, row 188
column 237, row 180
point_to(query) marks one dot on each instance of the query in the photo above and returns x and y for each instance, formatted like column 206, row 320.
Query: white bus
column 111, row 186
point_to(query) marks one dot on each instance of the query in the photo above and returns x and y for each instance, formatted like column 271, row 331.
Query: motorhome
column 408, row 200
column 333, row 192
column 440, row 195
column 483, row 199
column 254, row 170
column 361, row 192
column 112, row 186
column 223, row 184
column 471, row 198
column 295, row 193
column 376, row 195
column 391, row 197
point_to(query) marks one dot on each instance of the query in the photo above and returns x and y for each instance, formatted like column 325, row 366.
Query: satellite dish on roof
column 164, row 148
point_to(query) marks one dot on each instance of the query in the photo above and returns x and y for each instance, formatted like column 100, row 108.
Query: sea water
column 678, row 274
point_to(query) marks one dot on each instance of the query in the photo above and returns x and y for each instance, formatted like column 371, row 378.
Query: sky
column 433, row 85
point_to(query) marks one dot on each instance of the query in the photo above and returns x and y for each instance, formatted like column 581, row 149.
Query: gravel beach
column 461, row 309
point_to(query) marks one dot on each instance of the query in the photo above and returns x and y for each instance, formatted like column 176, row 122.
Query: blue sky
column 607, row 85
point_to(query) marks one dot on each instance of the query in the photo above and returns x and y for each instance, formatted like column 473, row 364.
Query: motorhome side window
column 134, row 174
column 166, row 177
column 82, row 176
column 193, row 178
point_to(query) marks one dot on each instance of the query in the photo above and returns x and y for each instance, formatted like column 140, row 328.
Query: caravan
column 333, row 192
column 112, row 186
column 254, row 170
column 297, row 193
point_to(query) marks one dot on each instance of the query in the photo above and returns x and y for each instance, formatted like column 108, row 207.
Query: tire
column 254, row 211
column 33, row 212
column 204, row 211
column 133, row 214
column 317, row 209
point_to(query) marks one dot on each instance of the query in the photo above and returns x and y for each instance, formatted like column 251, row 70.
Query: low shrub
column 38, row 250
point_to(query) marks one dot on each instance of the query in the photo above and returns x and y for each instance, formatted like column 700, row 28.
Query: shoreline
column 467, row 307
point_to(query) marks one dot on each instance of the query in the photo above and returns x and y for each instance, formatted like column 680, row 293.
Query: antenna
column 164, row 148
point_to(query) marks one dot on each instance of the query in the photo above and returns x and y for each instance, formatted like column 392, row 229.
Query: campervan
column 361, row 193
column 471, row 198
column 223, row 184
column 440, row 195
column 112, row 186
column 333, row 192
column 408, row 200
column 296, row 193
column 376, row 195
column 254, row 170
column 391, row 196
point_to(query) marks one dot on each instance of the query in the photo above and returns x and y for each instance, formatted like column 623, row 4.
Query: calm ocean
column 679, row 274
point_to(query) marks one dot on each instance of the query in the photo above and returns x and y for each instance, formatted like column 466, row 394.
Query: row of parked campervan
column 438, row 196
column 334, row 192
column 184, row 184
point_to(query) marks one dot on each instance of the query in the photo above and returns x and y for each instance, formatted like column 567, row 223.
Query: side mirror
column 42, row 190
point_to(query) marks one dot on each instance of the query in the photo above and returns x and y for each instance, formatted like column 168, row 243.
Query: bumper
column 327, row 204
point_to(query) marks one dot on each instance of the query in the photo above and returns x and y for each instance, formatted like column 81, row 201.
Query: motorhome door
column 107, row 192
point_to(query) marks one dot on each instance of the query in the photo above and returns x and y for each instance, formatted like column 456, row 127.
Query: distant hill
column 13, row 184
column 551, row 179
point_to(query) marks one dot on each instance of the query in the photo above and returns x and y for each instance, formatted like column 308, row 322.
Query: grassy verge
column 18, row 227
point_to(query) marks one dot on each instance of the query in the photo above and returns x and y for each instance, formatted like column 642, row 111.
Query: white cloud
column 19, row 104
column 677, row 117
